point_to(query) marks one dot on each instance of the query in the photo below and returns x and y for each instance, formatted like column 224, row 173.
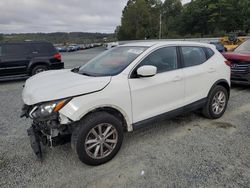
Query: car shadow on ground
column 18, row 81
column 240, row 87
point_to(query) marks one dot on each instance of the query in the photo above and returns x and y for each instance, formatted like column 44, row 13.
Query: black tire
column 82, row 131
column 207, row 111
column 39, row 68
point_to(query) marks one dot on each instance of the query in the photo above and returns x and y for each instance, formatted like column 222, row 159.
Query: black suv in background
column 24, row 59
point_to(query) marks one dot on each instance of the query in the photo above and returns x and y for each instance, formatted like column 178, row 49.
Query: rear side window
column 14, row 49
column 165, row 59
column 0, row 50
column 210, row 53
column 43, row 48
column 193, row 56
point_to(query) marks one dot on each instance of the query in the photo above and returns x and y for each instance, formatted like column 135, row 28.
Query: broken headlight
column 48, row 109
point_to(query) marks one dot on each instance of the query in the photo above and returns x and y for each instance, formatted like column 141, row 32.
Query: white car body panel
column 156, row 95
column 137, row 99
column 200, row 79
column 58, row 84
column 197, row 82
column 116, row 95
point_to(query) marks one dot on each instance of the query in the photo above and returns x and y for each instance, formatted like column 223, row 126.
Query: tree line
column 60, row 37
column 150, row 19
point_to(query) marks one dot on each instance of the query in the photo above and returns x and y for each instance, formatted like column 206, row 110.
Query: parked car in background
column 71, row 48
column 86, row 46
column 82, row 47
column 78, row 47
column 23, row 59
column 240, row 63
column 111, row 45
column 219, row 46
column 124, row 89
column 61, row 49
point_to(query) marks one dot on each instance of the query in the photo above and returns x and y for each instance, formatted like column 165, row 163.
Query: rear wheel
column 39, row 68
column 97, row 138
column 217, row 103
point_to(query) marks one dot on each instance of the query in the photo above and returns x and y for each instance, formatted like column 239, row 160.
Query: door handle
column 177, row 78
column 210, row 70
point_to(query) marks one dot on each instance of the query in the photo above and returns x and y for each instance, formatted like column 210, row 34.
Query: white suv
column 123, row 89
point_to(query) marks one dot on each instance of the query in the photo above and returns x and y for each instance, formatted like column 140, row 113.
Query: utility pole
column 160, row 27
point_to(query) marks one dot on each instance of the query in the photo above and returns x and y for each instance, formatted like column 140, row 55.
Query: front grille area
column 240, row 67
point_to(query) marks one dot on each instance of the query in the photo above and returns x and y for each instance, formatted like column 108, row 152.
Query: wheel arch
column 34, row 64
column 120, row 114
column 223, row 83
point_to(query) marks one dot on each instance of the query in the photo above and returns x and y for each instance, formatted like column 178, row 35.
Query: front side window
column 43, row 48
column 193, row 56
column 112, row 62
column 164, row 59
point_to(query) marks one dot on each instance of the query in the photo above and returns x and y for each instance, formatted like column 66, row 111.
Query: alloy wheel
column 101, row 140
column 219, row 102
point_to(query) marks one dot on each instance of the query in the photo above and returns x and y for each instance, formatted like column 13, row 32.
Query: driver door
column 164, row 92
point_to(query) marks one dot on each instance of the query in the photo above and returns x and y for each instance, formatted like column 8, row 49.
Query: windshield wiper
column 76, row 69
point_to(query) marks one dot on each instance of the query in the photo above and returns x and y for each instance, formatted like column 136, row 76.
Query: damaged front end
column 46, row 128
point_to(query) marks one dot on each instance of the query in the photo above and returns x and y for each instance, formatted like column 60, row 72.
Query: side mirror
column 147, row 71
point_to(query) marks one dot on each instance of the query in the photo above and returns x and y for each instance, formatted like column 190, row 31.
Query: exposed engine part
column 63, row 119
column 53, row 133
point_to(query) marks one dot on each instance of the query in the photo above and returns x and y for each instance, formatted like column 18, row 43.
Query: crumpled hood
column 241, row 56
column 58, row 84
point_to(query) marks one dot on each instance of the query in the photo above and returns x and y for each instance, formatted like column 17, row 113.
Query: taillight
column 58, row 56
column 228, row 63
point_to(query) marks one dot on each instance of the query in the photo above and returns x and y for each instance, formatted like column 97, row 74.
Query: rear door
column 198, row 72
column 43, row 52
column 14, row 59
column 152, row 96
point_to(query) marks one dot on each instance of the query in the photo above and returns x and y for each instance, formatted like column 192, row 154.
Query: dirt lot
column 188, row 151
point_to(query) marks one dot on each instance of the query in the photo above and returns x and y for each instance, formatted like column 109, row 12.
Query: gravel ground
column 187, row 151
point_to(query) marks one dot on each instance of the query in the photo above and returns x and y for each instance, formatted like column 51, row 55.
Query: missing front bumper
column 35, row 142
column 38, row 138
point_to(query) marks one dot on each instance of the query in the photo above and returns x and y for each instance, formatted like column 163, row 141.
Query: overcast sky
column 28, row 16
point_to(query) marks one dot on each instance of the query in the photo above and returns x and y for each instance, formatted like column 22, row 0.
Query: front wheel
column 97, row 138
column 217, row 103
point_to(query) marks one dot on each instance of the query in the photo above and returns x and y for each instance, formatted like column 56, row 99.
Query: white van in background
column 111, row 45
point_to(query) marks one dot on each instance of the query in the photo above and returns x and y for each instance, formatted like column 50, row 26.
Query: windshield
column 112, row 62
column 244, row 47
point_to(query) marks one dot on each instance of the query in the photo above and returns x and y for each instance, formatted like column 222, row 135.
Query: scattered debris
column 142, row 172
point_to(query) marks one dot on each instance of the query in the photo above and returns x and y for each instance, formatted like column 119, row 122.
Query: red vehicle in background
column 240, row 63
